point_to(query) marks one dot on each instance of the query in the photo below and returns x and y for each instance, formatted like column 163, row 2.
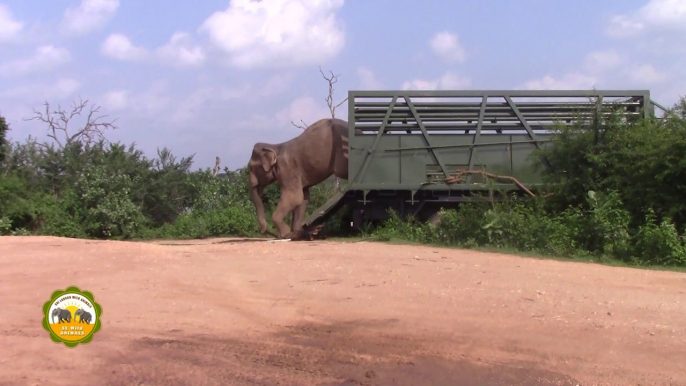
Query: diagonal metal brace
column 522, row 120
column 426, row 136
column 372, row 150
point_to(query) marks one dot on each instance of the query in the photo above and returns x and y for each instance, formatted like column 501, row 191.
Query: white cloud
column 447, row 46
column 645, row 74
column 368, row 80
column 90, row 15
column 453, row 81
column 670, row 13
column 277, row 84
column 119, row 47
column 304, row 108
column 600, row 69
column 65, row 87
column 449, row 81
column 9, row 27
column 116, row 100
column 657, row 14
column 569, row 81
column 180, row 51
column 420, row 84
column 60, row 89
column 44, row 58
column 599, row 61
column 624, row 26
column 277, row 33
column 203, row 99
column 155, row 100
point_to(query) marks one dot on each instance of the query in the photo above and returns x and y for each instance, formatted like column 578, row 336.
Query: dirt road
column 221, row 312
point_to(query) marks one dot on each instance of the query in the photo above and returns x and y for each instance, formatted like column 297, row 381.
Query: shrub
column 659, row 244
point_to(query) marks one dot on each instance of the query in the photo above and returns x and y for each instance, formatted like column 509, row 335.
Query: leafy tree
column 4, row 128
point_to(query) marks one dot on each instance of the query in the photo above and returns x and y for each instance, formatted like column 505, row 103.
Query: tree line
column 617, row 191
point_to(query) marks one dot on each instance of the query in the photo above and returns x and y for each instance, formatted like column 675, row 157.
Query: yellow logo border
column 46, row 322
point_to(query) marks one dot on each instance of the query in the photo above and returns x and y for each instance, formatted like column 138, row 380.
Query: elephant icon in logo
column 85, row 316
column 61, row 314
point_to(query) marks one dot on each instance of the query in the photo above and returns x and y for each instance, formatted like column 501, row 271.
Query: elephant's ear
column 268, row 157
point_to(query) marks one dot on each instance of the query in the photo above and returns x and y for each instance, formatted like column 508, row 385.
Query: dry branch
column 59, row 120
column 333, row 79
column 458, row 176
column 303, row 126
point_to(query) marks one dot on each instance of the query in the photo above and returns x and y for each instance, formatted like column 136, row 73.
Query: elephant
column 296, row 165
column 61, row 315
column 85, row 316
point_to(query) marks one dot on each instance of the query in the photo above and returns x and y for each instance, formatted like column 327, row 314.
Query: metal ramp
column 323, row 212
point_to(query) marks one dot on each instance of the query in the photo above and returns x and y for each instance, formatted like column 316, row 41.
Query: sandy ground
column 226, row 312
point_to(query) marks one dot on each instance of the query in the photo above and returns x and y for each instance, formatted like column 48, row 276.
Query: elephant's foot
column 298, row 235
column 304, row 234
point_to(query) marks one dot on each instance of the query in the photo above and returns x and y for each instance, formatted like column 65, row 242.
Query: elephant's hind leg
column 290, row 199
column 299, row 212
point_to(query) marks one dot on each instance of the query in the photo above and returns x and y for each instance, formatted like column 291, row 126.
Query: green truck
column 418, row 151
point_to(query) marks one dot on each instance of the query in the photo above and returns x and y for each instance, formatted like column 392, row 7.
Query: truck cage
column 410, row 149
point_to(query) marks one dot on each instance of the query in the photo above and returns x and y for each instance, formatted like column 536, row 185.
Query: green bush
column 659, row 244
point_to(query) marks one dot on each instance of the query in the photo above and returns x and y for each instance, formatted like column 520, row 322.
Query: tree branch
column 58, row 123
column 303, row 126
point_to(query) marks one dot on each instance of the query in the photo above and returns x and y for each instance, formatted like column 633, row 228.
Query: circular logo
column 72, row 316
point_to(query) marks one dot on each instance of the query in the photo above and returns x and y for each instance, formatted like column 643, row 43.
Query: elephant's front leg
column 290, row 199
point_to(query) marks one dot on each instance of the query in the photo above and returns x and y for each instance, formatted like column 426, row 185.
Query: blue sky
column 213, row 77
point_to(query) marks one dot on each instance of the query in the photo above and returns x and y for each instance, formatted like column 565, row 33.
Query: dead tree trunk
column 217, row 162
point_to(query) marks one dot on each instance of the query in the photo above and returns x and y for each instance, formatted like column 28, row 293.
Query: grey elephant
column 61, row 314
column 85, row 316
column 296, row 165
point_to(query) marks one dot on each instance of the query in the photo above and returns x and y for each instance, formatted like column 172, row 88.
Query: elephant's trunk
column 256, row 197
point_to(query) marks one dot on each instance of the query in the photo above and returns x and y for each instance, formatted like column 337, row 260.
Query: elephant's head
column 263, row 168
column 78, row 312
column 55, row 313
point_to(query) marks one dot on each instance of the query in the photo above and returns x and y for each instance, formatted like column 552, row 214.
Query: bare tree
column 332, row 79
column 217, row 162
column 59, row 120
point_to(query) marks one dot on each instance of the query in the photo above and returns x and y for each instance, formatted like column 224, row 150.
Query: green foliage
column 618, row 194
column 4, row 128
column 114, row 191
column 642, row 160
column 224, row 221
column 660, row 244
